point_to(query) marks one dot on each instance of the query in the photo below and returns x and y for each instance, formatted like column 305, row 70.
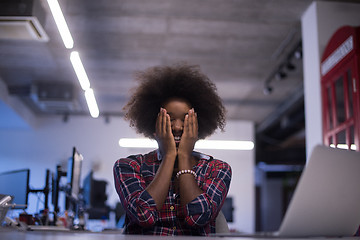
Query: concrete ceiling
column 237, row 43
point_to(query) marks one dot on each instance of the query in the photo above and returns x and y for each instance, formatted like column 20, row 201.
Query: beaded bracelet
column 185, row 171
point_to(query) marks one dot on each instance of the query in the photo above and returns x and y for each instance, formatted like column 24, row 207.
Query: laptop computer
column 326, row 201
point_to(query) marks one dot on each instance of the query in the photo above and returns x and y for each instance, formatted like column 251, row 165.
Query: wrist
column 185, row 162
column 184, row 155
column 169, row 155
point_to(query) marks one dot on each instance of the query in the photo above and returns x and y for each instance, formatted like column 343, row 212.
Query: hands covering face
column 186, row 129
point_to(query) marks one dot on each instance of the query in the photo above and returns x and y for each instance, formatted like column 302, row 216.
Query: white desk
column 7, row 234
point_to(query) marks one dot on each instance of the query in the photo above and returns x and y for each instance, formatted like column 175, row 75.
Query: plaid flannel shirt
column 133, row 174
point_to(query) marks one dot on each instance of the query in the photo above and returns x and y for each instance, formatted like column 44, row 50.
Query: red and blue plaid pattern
column 133, row 174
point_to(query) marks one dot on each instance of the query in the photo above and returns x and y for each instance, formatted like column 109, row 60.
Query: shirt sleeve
column 130, row 186
column 207, row 205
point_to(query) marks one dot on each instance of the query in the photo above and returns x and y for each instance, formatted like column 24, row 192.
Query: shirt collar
column 198, row 155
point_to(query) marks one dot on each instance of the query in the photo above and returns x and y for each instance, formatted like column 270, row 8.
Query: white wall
column 51, row 143
column 319, row 23
column 242, row 188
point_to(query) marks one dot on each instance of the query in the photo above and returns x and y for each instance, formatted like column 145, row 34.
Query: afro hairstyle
column 159, row 84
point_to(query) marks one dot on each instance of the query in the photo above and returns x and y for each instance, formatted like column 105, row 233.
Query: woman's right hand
column 163, row 135
column 159, row 187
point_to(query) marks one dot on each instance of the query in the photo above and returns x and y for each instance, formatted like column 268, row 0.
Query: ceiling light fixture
column 74, row 57
column 137, row 143
column 84, row 83
column 267, row 90
column 61, row 23
column 224, row 145
column 91, row 102
column 290, row 66
column 282, row 70
column 201, row 144
column 79, row 70
column 280, row 75
column 298, row 54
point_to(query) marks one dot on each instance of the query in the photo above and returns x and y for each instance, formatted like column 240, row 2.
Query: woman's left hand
column 189, row 135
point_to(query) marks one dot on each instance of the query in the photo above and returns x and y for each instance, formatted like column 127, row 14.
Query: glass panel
column 352, row 138
column 341, row 140
column 340, row 107
column 350, row 92
column 329, row 98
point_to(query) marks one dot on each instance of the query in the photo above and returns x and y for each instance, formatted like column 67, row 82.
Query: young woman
column 173, row 190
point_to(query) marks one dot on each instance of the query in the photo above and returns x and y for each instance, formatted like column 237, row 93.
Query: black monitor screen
column 74, row 172
column 16, row 184
column 94, row 192
column 228, row 209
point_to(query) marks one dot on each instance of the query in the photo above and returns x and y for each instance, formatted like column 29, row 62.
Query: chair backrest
column 221, row 223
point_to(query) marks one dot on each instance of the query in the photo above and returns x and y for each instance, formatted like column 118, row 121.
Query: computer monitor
column 16, row 184
column 228, row 209
column 94, row 192
column 94, row 197
column 87, row 189
column 74, row 174
column 55, row 187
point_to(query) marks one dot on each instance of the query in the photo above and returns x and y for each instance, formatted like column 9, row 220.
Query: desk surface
column 113, row 235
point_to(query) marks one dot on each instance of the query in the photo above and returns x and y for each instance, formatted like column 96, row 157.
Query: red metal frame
column 349, row 60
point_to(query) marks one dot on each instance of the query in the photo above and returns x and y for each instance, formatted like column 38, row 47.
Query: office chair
column 221, row 225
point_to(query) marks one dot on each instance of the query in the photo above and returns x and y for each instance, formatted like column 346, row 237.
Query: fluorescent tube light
column 201, row 144
column 224, row 145
column 137, row 143
column 61, row 23
column 91, row 102
column 79, row 70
